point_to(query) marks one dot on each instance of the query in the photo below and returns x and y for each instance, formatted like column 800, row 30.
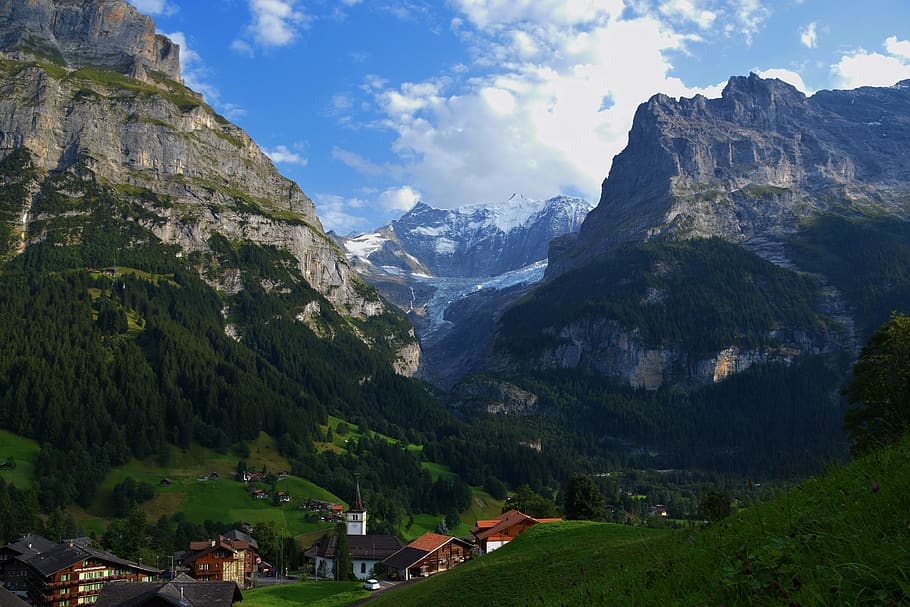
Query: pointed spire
column 357, row 506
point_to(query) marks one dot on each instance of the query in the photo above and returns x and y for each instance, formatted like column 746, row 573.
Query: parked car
column 371, row 584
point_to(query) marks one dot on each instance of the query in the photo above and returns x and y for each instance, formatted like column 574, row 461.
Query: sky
column 374, row 105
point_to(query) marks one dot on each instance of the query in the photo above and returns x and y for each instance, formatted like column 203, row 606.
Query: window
column 65, row 577
column 363, row 567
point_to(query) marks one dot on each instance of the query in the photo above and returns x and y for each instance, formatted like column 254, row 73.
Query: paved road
column 387, row 586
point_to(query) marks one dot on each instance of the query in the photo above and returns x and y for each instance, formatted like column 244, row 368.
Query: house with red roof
column 496, row 533
column 429, row 554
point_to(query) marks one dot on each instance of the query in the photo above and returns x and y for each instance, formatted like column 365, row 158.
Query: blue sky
column 372, row 105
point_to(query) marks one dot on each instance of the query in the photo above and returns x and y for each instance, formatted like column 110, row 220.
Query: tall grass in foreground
column 842, row 538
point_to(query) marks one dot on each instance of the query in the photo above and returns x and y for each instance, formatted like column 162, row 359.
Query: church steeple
column 356, row 516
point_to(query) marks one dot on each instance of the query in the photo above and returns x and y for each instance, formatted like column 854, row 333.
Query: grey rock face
column 155, row 134
column 750, row 165
column 607, row 347
column 109, row 34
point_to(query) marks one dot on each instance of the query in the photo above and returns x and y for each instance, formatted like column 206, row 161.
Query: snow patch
column 365, row 245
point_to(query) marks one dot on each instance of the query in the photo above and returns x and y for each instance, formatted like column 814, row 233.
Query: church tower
column 356, row 516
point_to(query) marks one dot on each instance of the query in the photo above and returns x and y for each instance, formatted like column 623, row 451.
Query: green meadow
column 311, row 594
column 842, row 538
column 23, row 451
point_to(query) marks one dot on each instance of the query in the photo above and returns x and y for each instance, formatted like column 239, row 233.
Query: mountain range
column 163, row 280
column 450, row 269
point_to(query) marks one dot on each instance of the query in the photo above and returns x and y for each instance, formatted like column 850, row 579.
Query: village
column 40, row 572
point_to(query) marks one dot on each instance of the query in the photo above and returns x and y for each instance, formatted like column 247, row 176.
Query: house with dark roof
column 182, row 591
column 13, row 571
column 429, row 554
column 68, row 574
column 366, row 550
column 496, row 533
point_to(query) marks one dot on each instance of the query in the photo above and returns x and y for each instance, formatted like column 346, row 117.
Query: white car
column 371, row 584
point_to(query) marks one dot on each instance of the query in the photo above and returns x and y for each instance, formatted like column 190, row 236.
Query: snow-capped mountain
column 431, row 261
column 479, row 240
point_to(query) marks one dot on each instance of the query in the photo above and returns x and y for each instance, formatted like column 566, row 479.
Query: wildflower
column 874, row 487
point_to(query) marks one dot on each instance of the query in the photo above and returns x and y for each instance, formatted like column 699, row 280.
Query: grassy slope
column 25, row 452
column 840, row 539
column 223, row 499
column 312, row 594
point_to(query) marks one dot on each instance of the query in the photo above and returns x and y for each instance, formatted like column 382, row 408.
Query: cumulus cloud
column 862, row 68
column 539, row 122
column 809, row 36
column 281, row 154
column 275, row 23
column 154, row 7
column 402, row 198
column 788, row 76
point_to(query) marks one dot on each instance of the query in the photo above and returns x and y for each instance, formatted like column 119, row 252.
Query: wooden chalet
column 68, row 575
column 429, row 554
column 496, row 533
column 13, row 570
column 221, row 560
column 182, row 591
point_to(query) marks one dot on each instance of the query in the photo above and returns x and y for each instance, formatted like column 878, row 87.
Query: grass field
column 311, row 594
column 839, row 539
column 200, row 498
column 24, row 451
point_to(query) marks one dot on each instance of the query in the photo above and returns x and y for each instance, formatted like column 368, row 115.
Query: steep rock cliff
column 89, row 88
column 750, row 167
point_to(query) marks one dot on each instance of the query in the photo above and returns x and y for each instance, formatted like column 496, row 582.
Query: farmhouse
column 430, row 553
column 222, row 560
column 496, row 533
column 182, row 591
column 58, row 575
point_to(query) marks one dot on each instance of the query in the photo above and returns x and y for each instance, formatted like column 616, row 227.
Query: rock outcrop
column 108, row 34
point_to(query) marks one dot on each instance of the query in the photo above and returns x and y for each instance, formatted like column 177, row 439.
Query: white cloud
column 154, row 7
column 281, row 154
column 275, row 23
column 536, row 123
column 862, row 68
column 492, row 13
column 749, row 15
column 809, row 36
column 356, row 162
column 899, row 48
column 688, row 10
column 402, row 198
column 788, row 76
column 335, row 213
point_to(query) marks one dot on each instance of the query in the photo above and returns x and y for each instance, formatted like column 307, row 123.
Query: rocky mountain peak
column 749, row 166
column 108, row 34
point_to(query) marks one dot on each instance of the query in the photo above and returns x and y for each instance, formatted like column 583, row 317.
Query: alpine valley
column 170, row 305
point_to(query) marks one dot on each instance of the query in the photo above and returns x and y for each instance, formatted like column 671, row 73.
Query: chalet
column 496, row 533
column 13, row 570
column 366, row 550
column 658, row 510
column 284, row 496
column 260, row 494
column 68, row 574
column 182, row 591
column 221, row 560
column 429, row 554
